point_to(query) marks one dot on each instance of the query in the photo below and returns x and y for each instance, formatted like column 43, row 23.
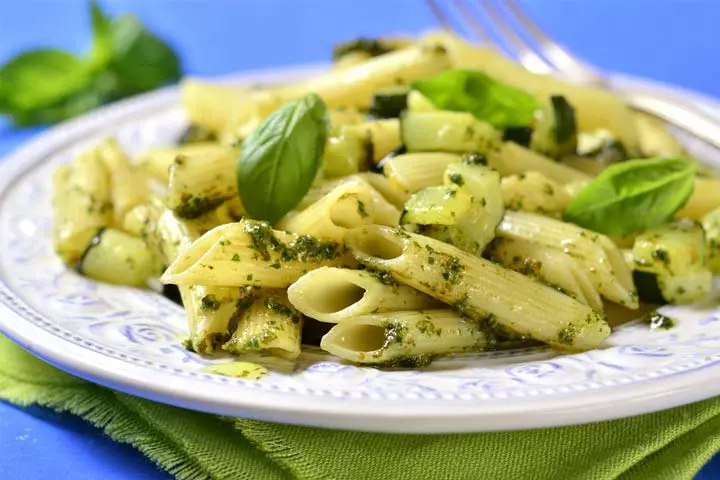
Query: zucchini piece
column 347, row 151
column 446, row 132
column 674, row 249
column 711, row 225
column 115, row 257
column 389, row 102
column 417, row 102
column 555, row 129
column 687, row 288
column 437, row 206
column 520, row 135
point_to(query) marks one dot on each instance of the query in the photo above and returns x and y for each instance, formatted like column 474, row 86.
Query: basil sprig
column 280, row 159
column 633, row 195
column 475, row 92
column 51, row 85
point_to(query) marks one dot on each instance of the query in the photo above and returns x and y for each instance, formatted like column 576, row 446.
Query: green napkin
column 673, row 444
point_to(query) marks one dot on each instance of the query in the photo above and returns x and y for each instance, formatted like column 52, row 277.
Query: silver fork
column 537, row 52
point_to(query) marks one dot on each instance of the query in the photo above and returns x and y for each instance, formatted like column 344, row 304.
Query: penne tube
column 200, row 183
column 212, row 105
column 270, row 324
column 82, row 204
column 403, row 337
column 705, row 199
column 479, row 288
column 411, row 172
column 348, row 205
column 513, row 159
column 598, row 255
column 549, row 266
column 534, row 192
column 212, row 312
column 252, row 253
column 156, row 162
column 128, row 187
column 334, row 295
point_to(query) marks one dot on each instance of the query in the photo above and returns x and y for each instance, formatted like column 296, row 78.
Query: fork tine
column 555, row 53
column 523, row 52
column 468, row 23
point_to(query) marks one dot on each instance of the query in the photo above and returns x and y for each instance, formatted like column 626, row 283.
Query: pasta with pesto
column 424, row 197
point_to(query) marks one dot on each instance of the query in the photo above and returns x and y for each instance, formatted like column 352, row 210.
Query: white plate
column 129, row 339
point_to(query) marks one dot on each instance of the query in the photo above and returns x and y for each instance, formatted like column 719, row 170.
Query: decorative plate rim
column 318, row 408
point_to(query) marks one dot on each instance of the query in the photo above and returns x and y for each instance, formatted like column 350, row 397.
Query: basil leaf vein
column 279, row 160
column 487, row 99
column 633, row 195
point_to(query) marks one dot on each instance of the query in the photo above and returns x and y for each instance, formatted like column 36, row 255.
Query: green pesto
column 409, row 361
column 475, row 158
column 567, row 335
column 395, row 333
column 383, row 276
column 361, row 209
column 193, row 206
column 277, row 306
column 457, row 179
column 210, row 302
column 658, row 321
column 371, row 46
column 188, row 345
column 249, row 277
column 427, row 327
column 548, row 189
column 275, row 265
column 235, row 257
column 453, row 270
column 304, row 248
column 661, row 255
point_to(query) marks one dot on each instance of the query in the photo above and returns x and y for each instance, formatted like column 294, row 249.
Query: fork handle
column 676, row 113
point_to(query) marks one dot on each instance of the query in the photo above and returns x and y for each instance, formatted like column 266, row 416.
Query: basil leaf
column 140, row 60
column 101, row 51
column 487, row 99
column 280, row 159
column 39, row 78
column 633, row 195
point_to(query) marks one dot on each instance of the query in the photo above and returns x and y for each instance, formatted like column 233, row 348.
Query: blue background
column 673, row 41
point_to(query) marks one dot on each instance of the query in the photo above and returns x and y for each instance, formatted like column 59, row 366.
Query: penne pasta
column 479, row 288
column 157, row 161
column 404, row 337
column 534, row 192
column 413, row 171
column 348, row 205
column 512, row 159
column 334, row 295
column 549, row 266
column 200, row 183
column 270, row 324
column 252, row 253
column 597, row 254
column 705, row 198
column 128, row 187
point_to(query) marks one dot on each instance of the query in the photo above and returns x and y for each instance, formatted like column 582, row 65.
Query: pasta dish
column 424, row 197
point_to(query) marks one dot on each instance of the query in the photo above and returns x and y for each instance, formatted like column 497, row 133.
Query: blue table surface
column 673, row 41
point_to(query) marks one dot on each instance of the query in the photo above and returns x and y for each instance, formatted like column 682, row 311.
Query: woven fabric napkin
column 673, row 444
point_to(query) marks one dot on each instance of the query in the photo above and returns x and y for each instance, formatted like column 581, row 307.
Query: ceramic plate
column 129, row 339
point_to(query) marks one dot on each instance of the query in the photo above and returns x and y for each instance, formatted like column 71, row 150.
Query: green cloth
column 673, row 444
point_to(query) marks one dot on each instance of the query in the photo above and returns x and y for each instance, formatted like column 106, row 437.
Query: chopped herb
column 453, row 270
column 249, row 278
column 275, row 265
column 235, row 257
column 384, row 277
column 457, row 179
column 210, row 302
column 567, row 335
column 658, row 321
column 361, row 208
column 277, row 306
column 475, row 158
column 192, row 206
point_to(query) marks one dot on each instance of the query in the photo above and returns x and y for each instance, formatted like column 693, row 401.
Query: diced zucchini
column 378, row 167
column 348, row 150
column 417, row 102
column 673, row 249
column 446, row 132
column 711, row 225
column 115, row 257
column 687, row 288
column 437, row 206
column 520, row 135
column 555, row 128
column 389, row 102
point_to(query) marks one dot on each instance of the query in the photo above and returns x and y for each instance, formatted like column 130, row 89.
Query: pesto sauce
column 246, row 370
column 304, row 248
column 567, row 335
column 193, row 206
column 658, row 321
column 209, row 302
column 384, row 277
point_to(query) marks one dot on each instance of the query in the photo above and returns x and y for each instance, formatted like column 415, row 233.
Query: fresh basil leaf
column 140, row 60
column 41, row 77
column 633, row 195
column 280, row 159
column 475, row 92
column 101, row 50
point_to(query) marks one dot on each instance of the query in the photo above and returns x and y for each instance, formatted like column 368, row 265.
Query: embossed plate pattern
column 129, row 339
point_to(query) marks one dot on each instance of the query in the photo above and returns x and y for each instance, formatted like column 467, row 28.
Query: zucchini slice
column 446, row 131
column 437, row 206
column 389, row 102
column 555, row 129
column 520, row 135
column 113, row 256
